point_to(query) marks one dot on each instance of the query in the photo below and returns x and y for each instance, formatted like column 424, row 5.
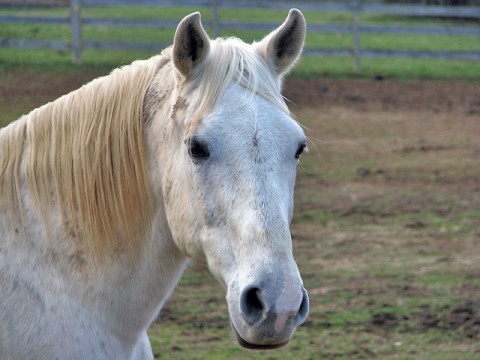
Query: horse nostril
column 303, row 310
column 252, row 305
column 256, row 309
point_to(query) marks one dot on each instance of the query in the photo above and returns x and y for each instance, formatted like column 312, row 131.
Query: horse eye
column 300, row 150
column 197, row 149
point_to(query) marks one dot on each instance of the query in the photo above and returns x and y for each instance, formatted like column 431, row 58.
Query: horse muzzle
column 263, row 321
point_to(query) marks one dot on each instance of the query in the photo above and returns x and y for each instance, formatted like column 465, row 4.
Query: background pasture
column 386, row 228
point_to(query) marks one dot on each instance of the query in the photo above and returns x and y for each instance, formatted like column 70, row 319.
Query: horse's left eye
column 197, row 149
column 300, row 150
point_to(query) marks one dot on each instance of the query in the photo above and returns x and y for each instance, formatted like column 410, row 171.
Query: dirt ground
column 381, row 95
column 386, row 224
column 374, row 95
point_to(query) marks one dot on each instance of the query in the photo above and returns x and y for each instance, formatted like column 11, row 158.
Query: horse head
column 228, row 164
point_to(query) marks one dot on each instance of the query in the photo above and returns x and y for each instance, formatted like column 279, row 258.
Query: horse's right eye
column 197, row 149
column 300, row 150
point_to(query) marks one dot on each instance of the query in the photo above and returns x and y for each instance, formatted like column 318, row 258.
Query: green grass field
column 309, row 67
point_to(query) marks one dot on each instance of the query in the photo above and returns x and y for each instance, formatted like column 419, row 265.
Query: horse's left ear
column 191, row 44
column 282, row 47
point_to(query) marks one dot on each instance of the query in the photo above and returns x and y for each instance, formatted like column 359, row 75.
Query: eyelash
column 300, row 150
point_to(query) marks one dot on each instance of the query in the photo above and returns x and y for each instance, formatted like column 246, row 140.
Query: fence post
column 356, row 8
column 215, row 19
column 76, row 24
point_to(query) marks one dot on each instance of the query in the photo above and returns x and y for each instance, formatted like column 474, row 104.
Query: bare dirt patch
column 459, row 97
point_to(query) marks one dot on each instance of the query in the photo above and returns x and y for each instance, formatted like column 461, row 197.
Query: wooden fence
column 354, row 7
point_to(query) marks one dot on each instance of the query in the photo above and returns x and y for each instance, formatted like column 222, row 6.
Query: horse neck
column 149, row 280
column 146, row 285
column 146, row 279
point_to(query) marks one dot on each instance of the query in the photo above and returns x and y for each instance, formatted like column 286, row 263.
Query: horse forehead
column 250, row 115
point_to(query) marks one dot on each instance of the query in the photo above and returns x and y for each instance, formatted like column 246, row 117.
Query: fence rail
column 355, row 7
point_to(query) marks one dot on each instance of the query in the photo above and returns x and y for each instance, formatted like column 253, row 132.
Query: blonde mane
column 85, row 152
column 233, row 61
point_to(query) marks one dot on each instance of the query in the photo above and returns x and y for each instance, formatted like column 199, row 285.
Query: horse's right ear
column 191, row 44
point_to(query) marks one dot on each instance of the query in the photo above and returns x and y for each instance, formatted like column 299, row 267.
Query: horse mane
column 233, row 61
column 85, row 152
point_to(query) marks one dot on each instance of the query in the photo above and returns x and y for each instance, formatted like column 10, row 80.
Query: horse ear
column 191, row 44
column 282, row 47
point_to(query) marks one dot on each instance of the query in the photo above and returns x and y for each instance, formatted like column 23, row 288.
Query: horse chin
column 251, row 346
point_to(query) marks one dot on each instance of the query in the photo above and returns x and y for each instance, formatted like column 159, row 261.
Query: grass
column 309, row 67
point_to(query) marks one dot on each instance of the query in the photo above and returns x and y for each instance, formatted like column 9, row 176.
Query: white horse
column 107, row 192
